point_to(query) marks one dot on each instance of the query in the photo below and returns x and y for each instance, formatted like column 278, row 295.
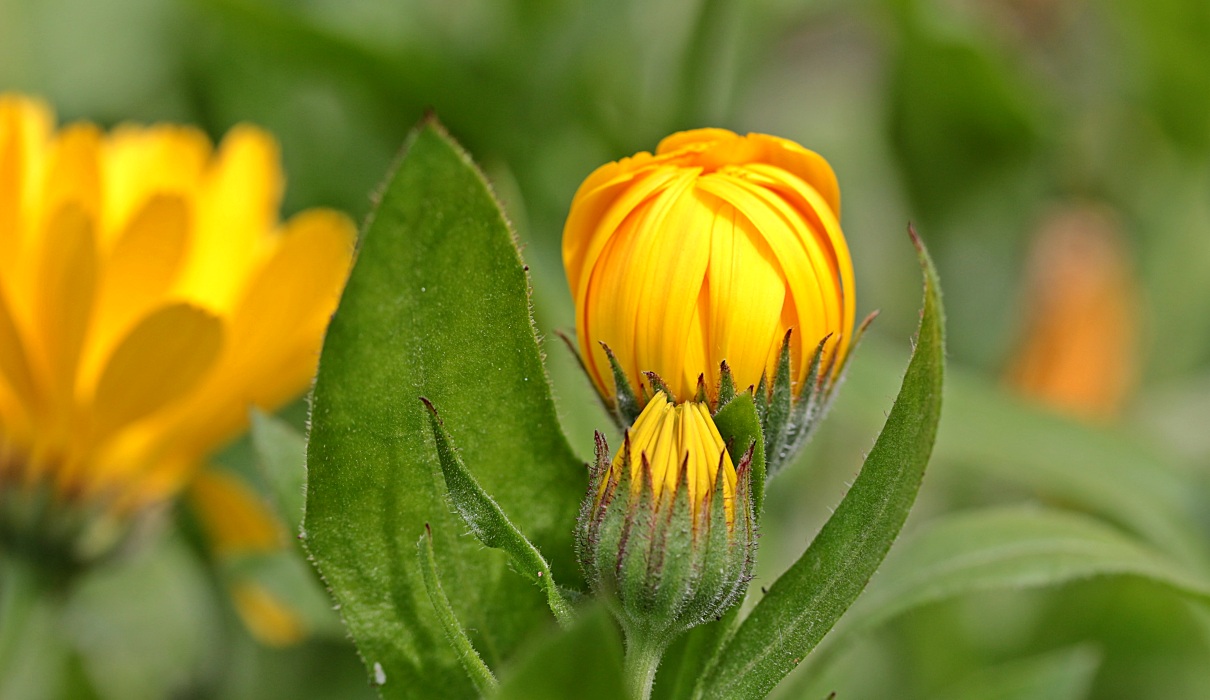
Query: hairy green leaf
column 490, row 524
column 472, row 663
column 437, row 305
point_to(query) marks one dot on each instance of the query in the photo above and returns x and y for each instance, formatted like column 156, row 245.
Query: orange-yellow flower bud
column 710, row 250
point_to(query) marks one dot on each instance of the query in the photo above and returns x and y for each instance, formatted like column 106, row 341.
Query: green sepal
column 781, row 404
column 671, row 572
column 715, row 549
column 761, row 398
column 658, row 385
column 738, row 423
column 804, row 414
column 635, row 552
column 479, row 673
column 608, row 528
column 726, row 384
column 488, row 521
column 626, row 406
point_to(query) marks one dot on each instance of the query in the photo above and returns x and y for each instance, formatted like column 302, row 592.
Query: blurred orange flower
column 1079, row 348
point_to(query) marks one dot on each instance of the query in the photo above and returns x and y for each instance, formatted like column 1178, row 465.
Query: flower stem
column 642, row 659
column 18, row 597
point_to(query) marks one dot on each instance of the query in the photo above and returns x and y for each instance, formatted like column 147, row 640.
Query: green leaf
column 739, row 426
column 437, row 305
column 1066, row 674
column 490, row 524
column 810, row 597
column 1015, row 547
column 1104, row 471
column 282, row 454
column 472, row 663
column 584, row 662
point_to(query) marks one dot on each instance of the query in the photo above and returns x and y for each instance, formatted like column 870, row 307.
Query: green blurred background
column 971, row 118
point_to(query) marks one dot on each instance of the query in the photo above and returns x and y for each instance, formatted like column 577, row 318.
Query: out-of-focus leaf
column 583, row 662
column 810, row 597
column 1168, row 40
column 1011, row 548
column 147, row 628
column 1102, row 470
column 958, row 119
column 1061, row 675
column 437, row 305
column 281, row 452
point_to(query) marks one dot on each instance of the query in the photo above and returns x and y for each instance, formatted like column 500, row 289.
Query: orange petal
column 268, row 618
column 234, row 517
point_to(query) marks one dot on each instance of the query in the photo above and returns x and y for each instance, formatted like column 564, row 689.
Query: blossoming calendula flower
column 710, row 250
column 713, row 265
column 148, row 297
column 667, row 530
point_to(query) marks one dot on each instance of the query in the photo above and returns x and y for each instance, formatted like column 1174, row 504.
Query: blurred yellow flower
column 709, row 250
column 148, row 297
column 1078, row 351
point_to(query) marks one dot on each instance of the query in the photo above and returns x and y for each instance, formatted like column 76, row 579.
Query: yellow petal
column 24, row 125
column 141, row 268
column 66, row 285
column 303, row 278
column 142, row 163
column 235, row 217
column 14, row 362
column 234, row 517
column 160, row 360
column 747, row 291
column 74, row 176
column 276, row 332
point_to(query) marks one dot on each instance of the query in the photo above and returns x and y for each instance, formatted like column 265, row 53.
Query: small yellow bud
column 667, row 533
column 668, row 438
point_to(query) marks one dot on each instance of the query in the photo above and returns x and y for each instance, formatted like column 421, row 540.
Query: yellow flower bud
column 710, row 250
